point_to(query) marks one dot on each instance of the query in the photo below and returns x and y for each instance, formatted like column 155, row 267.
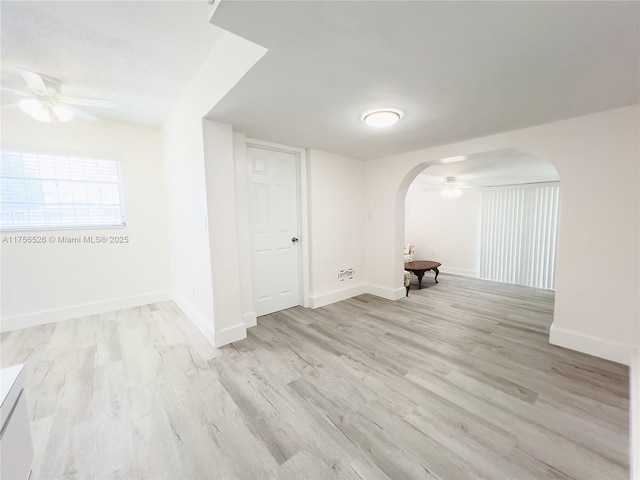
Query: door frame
column 303, row 209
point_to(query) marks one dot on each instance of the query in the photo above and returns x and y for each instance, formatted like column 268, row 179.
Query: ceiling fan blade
column 88, row 102
column 82, row 114
column 33, row 80
column 17, row 92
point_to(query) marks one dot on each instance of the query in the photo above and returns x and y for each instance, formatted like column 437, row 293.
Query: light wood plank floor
column 457, row 381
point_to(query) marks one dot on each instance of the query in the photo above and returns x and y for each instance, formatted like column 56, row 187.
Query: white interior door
column 275, row 261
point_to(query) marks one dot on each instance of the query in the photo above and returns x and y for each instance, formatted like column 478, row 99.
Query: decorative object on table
column 409, row 250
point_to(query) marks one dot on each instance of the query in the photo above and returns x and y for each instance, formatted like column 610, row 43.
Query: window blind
column 50, row 191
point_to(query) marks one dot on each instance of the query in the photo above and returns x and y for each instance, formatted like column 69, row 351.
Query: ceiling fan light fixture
column 451, row 192
column 46, row 104
column 381, row 117
column 451, row 189
column 35, row 109
column 62, row 113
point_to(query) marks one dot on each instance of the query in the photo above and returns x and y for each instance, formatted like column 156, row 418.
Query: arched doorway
column 491, row 215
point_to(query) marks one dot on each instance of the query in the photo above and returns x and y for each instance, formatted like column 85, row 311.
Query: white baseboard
column 230, row 335
column 196, row 318
column 591, row 345
column 387, row 293
column 40, row 318
column 464, row 272
column 316, row 301
column 216, row 338
column 250, row 319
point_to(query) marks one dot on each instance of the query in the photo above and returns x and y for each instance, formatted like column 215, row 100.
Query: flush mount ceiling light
column 458, row 158
column 451, row 189
column 381, row 117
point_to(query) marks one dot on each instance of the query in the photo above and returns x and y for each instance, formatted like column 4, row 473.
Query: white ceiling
column 459, row 70
column 139, row 54
column 506, row 167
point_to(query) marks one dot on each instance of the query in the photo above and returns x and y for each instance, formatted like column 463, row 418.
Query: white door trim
column 303, row 209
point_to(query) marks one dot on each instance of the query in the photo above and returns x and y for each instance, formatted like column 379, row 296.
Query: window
column 50, row 191
column 519, row 234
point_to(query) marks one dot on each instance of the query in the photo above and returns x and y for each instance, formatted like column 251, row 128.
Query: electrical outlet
column 346, row 274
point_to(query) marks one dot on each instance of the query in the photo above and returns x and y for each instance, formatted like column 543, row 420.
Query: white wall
column 193, row 254
column 188, row 234
column 597, row 282
column 446, row 230
column 243, row 233
column 45, row 283
column 223, row 232
column 336, row 222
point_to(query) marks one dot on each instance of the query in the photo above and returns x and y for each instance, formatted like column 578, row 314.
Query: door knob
column 294, row 239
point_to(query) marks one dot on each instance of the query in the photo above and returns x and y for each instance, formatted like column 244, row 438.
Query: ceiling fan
column 453, row 187
column 46, row 103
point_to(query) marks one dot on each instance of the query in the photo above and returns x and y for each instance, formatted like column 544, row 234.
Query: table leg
column 437, row 272
column 420, row 274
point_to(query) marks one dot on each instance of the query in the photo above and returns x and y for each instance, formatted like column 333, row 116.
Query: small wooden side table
column 419, row 267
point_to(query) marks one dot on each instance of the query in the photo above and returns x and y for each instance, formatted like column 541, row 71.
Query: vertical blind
column 519, row 234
